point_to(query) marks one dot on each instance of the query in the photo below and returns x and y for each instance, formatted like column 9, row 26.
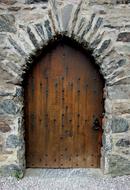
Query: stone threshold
column 63, row 173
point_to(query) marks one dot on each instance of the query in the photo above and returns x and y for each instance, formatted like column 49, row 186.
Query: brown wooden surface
column 63, row 96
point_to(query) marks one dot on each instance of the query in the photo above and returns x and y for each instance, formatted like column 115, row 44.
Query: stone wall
column 102, row 26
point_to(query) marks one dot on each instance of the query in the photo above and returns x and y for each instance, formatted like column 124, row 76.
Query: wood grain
column 63, row 95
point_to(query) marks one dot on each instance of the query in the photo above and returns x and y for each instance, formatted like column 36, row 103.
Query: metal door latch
column 96, row 124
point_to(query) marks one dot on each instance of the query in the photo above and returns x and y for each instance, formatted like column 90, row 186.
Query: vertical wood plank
column 63, row 95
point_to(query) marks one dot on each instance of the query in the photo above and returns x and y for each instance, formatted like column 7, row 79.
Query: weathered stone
column 88, row 27
column 126, row 151
column 66, row 12
column 98, row 23
column 17, row 47
column 121, row 62
column 118, row 165
column 11, row 170
column 32, row 37
column 107, row 142
column 13, row 141
column 4, row 127
column 7, row 23
column 96, row 42
column 3, row 157
column 124, row 36
column 118, row 91
column 9, row 107
column 5, row 151
column 104, row 46
column 112, row 66
column 109, row 2
column 3, row 93
column 48, row 28
column 1, row 141
column 75, row 16
column 123, row 143
column 112, row 27
column 36, row 1
column 8, row 2
column 40, row 30
column 14, row 8
column 19, row 92
column 29, row 8
column 122, row 1
column 5, row 76
column 119, row 125
column 44, row 7
column 3, row 38
column 81, row 24
column 13, row 67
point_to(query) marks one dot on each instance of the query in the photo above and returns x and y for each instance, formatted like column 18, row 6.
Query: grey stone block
column 36, row 1
column 11, row 170
column 48, row 28
column 40, row 30
column 32, row 37
column 4, row 127
column 123, row 143
column 104, row 46
column 7, row 23
column 119, row 125
column 98, row 23
column 8, row 2
column 13, row 141
column 66, row 13
column 9, row 107
column 17, row 47
column 118, row 165
column 124, row 36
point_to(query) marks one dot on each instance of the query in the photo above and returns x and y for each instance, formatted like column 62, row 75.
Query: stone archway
column 28, row 38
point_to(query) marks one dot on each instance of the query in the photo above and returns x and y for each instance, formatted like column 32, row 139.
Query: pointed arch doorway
column 63, row 109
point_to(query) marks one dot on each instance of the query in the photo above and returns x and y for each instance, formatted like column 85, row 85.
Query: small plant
column 18, row 174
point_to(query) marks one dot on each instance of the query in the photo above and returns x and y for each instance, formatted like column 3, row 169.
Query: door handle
column 96, row 124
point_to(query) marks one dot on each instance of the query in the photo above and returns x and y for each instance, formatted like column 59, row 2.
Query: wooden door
column 63, row 109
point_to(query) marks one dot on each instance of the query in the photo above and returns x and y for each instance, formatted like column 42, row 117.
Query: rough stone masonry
column 102, row 26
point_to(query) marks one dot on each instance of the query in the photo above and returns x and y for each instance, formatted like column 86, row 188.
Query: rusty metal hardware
column 96, row 124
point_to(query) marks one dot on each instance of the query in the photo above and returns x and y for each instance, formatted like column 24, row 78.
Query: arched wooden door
column 63, row 109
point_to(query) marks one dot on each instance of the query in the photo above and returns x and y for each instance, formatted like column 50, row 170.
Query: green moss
column 18, row 174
